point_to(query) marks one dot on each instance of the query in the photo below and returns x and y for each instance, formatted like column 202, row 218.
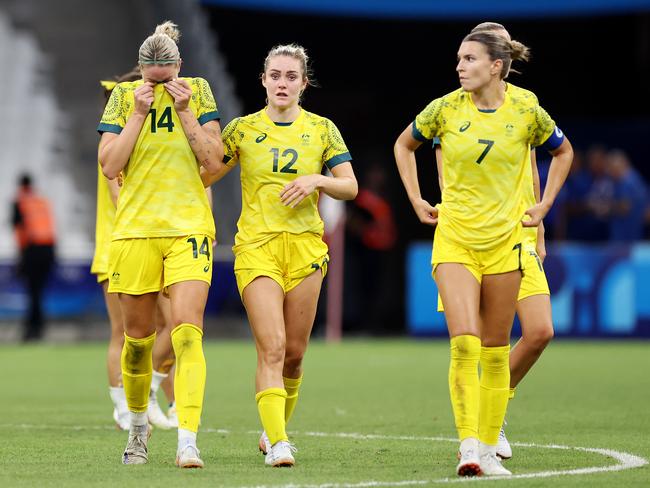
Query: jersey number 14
column 164, row 122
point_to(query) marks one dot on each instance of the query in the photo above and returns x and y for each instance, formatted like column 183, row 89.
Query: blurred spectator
column 34, row 228
column 628, row 207
column 371, row 236
column 571, row 207
column 592, row 219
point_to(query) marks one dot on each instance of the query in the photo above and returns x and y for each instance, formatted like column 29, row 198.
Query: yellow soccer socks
column 271, row 405
column 189, row 379
column 292, row 387
column 464, row 384
column 137, row 369
column 495, row 389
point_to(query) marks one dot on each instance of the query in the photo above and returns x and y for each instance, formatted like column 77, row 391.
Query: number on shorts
column 204, row 249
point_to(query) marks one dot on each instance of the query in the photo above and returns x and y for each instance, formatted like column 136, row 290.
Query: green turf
column 56, row 427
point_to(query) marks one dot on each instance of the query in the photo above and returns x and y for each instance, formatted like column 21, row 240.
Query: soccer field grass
column 57, row 429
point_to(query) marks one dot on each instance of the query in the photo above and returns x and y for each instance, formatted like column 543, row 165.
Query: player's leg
column 264, row 301
column 498, row 301
column 300, row 305
column 534, row 312
column 187, row 278
column 162, row 351
column 121, row 413
column 460, row 294
column 537, row 331
column 135, row 271
column 139, row 337
column 188, row 299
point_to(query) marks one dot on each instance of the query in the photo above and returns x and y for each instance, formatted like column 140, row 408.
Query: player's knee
column 272, row 350
column 539, row 338
column 293, row 361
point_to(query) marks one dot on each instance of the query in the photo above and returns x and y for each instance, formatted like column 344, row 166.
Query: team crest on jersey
column 305, row 139
column 261, row 137
column 509, row 129
column 465, row 126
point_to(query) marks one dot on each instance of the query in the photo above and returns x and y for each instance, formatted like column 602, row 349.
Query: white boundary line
column 625, row 460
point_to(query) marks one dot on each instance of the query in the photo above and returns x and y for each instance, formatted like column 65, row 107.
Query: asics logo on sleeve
column 465, row 126
column 261, row 137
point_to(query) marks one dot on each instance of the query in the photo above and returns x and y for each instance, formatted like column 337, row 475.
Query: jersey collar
column 267, row 119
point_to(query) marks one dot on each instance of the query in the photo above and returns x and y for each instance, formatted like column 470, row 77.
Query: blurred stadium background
column 378, row 64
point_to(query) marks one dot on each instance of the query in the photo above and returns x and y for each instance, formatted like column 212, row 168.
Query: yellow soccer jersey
column 103, row 225
column 485, row 157
column 272, row 155
column 162, row 194
column 529, row 234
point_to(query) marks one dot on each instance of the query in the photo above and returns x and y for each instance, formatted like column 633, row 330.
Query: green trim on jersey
column 417, row 135
column 336, row 160
column 114, row 128
column 209, row 116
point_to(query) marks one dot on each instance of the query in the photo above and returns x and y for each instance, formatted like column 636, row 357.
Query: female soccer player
column 485, row 132
column 534, row 300
column 280, row 256
column 158, row 130
column 107, row 194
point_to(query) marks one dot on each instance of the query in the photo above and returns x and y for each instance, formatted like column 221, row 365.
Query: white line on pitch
column 625, row 460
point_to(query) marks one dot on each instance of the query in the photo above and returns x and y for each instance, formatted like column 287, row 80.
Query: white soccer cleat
column 155, row 414
column 490, row 463
column 122, row 419
column 504, row 451
column 264, row 444
column 172, row 416
column 136, row 447
column 469, row 463
column 189, row 457
column 280, row 455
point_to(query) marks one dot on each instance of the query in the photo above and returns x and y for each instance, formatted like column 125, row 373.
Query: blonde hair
column 488, row 26
column 499, row 47
column 293, row 51
column 161, row 46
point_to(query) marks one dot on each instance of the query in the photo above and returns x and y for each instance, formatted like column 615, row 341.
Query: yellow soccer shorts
column 99, row 268
column 533, row 281
column 286, row 258
column 151, row 264
column 101, row 277
column 501, row 259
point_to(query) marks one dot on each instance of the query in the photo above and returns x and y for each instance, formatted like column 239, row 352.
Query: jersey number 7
column 488, row 145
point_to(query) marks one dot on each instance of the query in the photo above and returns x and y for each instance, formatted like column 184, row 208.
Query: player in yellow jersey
column 159, row 131
column 534, row 300
column 280, row 256
column 163, row 355
column 485, row 133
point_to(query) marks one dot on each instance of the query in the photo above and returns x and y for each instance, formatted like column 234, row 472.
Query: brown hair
column 498, row 47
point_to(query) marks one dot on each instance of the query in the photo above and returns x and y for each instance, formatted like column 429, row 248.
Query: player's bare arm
column 205, row 140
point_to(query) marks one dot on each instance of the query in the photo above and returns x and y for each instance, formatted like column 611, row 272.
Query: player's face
column 475, row 68
column 160, row 73
column 284, row 81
